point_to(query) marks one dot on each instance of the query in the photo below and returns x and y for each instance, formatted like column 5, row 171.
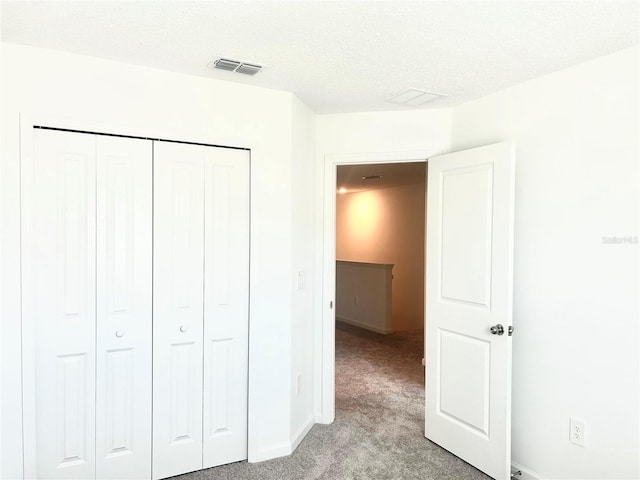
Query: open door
column 469, row 305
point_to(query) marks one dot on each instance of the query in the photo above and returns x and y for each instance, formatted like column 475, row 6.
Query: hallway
column 378, row 432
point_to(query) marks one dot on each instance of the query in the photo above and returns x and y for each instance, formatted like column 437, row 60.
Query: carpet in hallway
column 378, row 432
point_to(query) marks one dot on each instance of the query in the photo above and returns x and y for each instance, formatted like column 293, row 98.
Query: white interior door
column 226, row 305
column 60, row 301
column 178, row 308
column 123, row 378
column 469, row 292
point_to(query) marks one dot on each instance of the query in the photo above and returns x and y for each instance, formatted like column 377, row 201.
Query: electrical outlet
column 577, row 431
column 298, row 383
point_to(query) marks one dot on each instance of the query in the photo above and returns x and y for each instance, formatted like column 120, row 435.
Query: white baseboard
column 319, row 418
column 269, row 453
column 301, row 433
column 284, row 449
column 527, row 473
column 363, row 325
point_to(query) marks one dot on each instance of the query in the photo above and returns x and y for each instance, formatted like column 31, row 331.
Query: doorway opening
column 327, row 332
column 380, row 299
column 380, row 274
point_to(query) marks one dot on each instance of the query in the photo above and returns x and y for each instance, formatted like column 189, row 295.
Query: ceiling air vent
column 236, row 66
column 248, row 69
column 414, row 97
column 226, row 64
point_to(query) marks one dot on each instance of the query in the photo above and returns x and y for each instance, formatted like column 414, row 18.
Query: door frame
column 26, row 347
column 326, row 343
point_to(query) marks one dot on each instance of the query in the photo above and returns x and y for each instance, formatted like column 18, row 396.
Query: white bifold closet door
column 124, row 308
column 201, row 297
column 63, row 292
column 87, row 302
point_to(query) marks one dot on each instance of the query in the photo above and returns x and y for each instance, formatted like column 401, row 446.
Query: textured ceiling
column 338, row 56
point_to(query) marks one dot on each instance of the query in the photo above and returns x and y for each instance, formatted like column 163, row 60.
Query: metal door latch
column 510, row 330
column 497, row 329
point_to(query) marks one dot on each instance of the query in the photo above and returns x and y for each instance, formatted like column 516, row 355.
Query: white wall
column 303, row 218
column 387, row 225
column 427, row 130
column 168, row 105
column 576, row 299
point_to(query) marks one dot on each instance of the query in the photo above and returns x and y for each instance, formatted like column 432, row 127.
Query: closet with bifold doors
column 135, row 293
column 200, row 303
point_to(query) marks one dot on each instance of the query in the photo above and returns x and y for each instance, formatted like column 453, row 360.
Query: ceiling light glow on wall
column 414, row 97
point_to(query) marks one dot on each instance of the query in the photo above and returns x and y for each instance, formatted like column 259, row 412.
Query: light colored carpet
column 379, row 428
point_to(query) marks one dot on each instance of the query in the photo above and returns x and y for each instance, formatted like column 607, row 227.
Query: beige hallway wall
column 387, row 226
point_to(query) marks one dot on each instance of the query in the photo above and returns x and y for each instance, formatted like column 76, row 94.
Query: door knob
column 497, row 329
column 183, row 328
column 119, row 333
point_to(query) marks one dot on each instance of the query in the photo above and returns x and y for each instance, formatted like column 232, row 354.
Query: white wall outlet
column 577, row 431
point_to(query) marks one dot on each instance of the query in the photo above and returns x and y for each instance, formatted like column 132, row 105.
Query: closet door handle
column 119, row 333
column 183, row 328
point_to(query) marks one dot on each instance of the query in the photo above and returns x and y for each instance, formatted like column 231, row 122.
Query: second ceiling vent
column 414, row 97
column 236, row 66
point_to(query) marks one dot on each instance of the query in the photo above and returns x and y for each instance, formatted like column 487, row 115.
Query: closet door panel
column 178, row 308
column 226, row 305
column 124, row 283
column 62, row 297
